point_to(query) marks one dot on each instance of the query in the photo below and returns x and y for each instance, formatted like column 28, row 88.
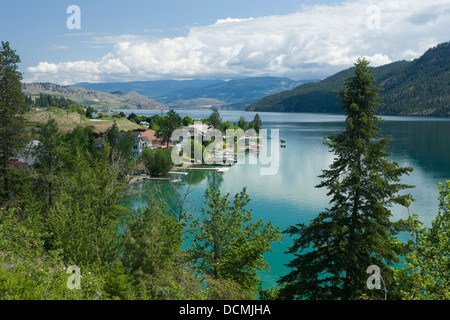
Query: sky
column 108, row 41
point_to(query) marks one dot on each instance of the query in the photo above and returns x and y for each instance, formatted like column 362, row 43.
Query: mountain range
column 97, row 99
column 195, row 93
column 417, row 87
column 163, row 94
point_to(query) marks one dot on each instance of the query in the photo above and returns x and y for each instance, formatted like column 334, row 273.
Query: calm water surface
column 290, row 197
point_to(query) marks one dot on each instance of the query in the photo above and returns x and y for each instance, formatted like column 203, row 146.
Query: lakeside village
column 203, row 144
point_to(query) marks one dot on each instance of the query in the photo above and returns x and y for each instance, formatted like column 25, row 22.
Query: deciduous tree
column 426, row 271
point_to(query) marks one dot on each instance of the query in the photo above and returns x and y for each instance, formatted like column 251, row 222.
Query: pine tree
column 113, row 135
column 228, row 245
column 215, row 120
column 49, row 161
column 333, row 252
column 257, row 123
column 12, row 122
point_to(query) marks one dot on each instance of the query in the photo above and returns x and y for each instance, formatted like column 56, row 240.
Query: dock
column 217, row 169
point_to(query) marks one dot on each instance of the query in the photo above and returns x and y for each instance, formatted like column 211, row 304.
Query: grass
column 67, row 121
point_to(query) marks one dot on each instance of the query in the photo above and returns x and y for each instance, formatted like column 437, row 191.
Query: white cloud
column 315, row 42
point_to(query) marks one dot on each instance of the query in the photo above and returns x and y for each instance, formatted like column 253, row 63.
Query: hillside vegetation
column 117, row 100
column 418, row 87
column 67, row 121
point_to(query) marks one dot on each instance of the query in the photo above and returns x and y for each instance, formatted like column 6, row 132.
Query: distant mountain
column 418, row 87
column 97, row 99
column 151, row 89
column 194, row 93
column 233, row 91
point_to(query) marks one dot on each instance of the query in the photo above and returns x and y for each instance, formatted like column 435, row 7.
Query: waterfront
column 290, row 197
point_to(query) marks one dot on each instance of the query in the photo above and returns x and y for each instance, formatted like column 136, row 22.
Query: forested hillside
column 418, row 87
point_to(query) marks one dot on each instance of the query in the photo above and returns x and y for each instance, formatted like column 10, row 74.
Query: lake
column 289, row 197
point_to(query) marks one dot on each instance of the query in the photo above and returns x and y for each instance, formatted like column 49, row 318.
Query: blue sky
column 181, row 39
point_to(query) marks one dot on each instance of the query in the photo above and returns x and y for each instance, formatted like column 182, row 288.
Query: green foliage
column 335, row 249
column 90, row 112
column 228, row 245
column 125, row 145
column 426, row 271
column 242, row 123
column 47, row 100
column 152, row 240
column 113, row 135
column 49, row 161
column 187, row 121
column 152, row 253
column 167, row 125
column 86, row 238
column 215, row 120
column 118, row 283
column 158, row 161
column 29, row 272
column 418, row 87
column 13, row 124
column 257, row 123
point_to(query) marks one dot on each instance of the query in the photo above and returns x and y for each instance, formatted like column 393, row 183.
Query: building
column 143, row 139
column 28, row 155
column 151, row 140
column 139, row 143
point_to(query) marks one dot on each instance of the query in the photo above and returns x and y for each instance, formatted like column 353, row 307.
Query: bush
column 157, row 162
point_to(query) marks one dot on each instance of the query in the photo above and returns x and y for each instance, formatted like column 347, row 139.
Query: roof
column 149, row 134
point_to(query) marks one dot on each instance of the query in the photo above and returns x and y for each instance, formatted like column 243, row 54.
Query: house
column 198, row 129
column 143, row 139
column 139, row 143
column 28, row 155
column 151, row 140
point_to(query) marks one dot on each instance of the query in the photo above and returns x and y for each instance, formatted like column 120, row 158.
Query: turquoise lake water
column 289, row 197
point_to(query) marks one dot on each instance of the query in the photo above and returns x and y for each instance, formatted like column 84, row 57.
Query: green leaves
column 158, row 161
column 426, row 273
column 227, row 244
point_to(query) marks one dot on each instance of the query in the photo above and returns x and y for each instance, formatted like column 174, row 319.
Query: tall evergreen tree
column 215, row 120
column 257, row 123
column 49, row 161
column 113, row 135
column 333, row 252
column 12, row 122
column 242, row 123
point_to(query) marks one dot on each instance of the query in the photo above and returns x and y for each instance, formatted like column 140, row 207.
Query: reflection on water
column 290, row 197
